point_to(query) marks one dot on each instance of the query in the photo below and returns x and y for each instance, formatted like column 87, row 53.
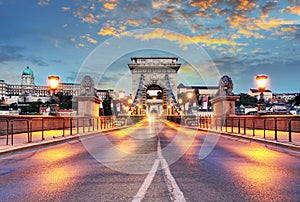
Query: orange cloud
column 108, row 31
column 245, row 5
column 89, row 38
column 203, row 4
column 134, row 23
column 249, row 34
column 184, row 40
column 294, row 10
column 272, row 23
column 157, row 20
column 110, row 6
column 89, row 18
column 289, row 29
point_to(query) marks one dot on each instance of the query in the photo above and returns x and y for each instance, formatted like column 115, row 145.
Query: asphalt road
column 152, row 162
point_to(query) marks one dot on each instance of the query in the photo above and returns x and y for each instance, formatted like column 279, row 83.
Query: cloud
column 89, row 18
column 11, row 53
column 184, row 40
column 89, row 38
column 294, row 10
column 108, row 31
column 156, row 20
column 132, row 22
column 63, row 8
column 44, row 2
column 110, row 6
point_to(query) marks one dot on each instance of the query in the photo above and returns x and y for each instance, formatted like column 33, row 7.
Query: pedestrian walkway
column 21, row 141
column 267, row 136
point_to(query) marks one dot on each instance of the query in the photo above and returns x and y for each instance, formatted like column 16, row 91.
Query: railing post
column 83, row 129
column 7, row 131
column 43, row 137
column 71, row 126
column 77, row 125
column 245, row 126
column 275, row 126
column 63, row 127
column 290, row 130
column 253, row 127
column 216, row 123
column 12, row 132
column 265, row 128
column 239, row 125
column 232, row 125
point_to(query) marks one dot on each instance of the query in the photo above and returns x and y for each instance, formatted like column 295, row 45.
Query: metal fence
column 245, row 125
column 62, row 126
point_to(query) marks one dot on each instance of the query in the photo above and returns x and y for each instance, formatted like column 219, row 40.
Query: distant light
column 53, row 82
column 261, row 82
column 190, row 95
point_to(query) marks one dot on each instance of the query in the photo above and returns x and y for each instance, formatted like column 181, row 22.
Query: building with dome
column 27, row 91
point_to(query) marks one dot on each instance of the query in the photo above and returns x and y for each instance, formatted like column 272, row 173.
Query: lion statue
column 225, row 86
column 87, row 86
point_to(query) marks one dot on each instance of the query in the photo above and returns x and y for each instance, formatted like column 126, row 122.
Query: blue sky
column 240, row 38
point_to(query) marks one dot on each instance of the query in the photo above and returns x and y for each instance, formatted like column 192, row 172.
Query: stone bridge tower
column 158, row 73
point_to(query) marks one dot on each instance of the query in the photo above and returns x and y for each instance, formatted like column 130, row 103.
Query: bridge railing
column 279, row 128
column 21, row 129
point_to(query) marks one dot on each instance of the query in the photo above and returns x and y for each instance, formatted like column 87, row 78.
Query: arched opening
column 154, row 100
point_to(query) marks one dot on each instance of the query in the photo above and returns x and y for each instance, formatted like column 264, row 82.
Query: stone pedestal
column 88, row 105
column 224, row 105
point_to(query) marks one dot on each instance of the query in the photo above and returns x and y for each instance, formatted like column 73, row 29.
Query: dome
column 27, row 71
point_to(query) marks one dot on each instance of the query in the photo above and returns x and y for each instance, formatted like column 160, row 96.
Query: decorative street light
column 53, row 83
column 189, row 96
column 261, row 84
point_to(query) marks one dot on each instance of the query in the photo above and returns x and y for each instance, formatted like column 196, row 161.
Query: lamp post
column 53, row 82
column 261, row 85
column 189, row 96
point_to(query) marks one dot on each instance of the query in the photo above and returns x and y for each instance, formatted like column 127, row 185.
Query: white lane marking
column 175, row 192
column 147, row 182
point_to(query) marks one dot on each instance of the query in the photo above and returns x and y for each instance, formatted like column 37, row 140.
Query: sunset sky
column 70, row 38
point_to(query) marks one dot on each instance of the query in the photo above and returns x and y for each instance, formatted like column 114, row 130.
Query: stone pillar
column 224, row 105
column 88, row 105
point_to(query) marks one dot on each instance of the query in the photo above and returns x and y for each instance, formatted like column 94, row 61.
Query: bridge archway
column 154, row 72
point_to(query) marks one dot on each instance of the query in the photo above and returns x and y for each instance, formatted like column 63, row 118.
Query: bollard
column 77, row 126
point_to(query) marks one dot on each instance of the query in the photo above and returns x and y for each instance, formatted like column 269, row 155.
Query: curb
column 35, row 145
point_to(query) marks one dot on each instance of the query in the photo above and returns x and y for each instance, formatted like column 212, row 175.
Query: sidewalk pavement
column 51, row 137
column 258, row 136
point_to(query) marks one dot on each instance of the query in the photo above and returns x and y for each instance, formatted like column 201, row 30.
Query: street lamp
column 261, row 85
column 53, row 82
column 189, row 95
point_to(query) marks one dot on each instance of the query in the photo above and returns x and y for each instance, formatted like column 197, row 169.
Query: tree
column 296, row 101
column 107, row 107
column 246, row 100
